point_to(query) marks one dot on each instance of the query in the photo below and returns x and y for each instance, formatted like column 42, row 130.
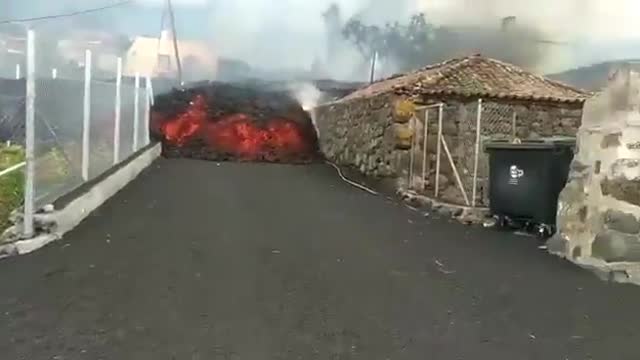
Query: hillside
column 592, row 77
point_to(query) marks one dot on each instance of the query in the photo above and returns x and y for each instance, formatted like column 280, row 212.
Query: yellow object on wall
column 404, row 136
column 403, row 110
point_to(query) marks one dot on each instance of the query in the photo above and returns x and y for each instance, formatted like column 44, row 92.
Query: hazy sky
column 291, row 32
column 599, row 19
column 245, row 28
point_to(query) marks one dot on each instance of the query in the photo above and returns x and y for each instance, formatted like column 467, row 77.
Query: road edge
column 71, row 215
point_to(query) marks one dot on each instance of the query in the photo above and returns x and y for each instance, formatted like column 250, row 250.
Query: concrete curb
column 77, row 210
column 464, row 214
column 615, row 272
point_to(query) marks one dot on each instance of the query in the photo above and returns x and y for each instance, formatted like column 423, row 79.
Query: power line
column 172, row 18
column 75, row 13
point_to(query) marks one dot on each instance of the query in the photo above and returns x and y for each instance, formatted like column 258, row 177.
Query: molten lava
column 187, row 125
column 236, row 135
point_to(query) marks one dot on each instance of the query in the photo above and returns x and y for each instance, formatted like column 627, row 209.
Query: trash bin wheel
column 544, row 231
column 502, row 222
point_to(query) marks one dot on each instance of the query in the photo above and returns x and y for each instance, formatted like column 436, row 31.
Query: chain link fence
column 60, row 129
column 72, row 130
column 11, row 70
column 11, row 116
column 498, row 121
column 57, row 133
column 447, row 156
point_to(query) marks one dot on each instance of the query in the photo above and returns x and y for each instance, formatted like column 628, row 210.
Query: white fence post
column 86, row 116
column 54, row 73
column 477, row 154
column 424, row 147
column 153, row 101
column 147, row 110
column 136, row 114
column 18, row 71
column 439, row 150
column 118, row 114
column 514, row 128
column 412, row 156
column 29, row 187
column 455, row 171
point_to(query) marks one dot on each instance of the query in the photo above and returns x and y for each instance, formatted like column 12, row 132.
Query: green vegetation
column 52, row 168
column 12, row 184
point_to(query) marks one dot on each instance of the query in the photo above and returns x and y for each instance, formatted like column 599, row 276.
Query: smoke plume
column 293, row 36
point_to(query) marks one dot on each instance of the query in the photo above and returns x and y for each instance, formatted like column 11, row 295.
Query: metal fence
column 12, row 115
column 74, row 130
column 10, row 71
column 458, row 133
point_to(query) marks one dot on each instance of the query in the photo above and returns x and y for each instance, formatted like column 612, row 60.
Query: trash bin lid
column 544, row 143
column 561, row 140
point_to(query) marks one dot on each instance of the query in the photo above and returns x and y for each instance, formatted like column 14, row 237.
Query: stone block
column 403, row 136
column 573, row 193
column 622, row 222
column 613, row 246
column 627, row 168
column 569, row 124
column 558, row 245
column 449, row 128
column 622, row 189
column 443, row 181
column 452, row 195
column 577, row 166
column 432, row 143
column 611, row 140
column 445, row 165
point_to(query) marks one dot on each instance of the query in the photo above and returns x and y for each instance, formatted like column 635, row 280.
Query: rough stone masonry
column 599, row 209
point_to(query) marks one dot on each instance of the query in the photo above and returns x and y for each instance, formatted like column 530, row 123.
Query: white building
column 155, row 57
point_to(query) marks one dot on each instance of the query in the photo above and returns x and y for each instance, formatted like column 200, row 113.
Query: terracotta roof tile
column 474, row 76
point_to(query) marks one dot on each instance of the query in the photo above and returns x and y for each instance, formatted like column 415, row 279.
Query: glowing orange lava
column 238, row 135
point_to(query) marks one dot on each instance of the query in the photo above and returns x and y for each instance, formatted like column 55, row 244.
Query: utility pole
column 172, row 17
column 374, row 59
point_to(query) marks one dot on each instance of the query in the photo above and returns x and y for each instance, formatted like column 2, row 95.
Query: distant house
column 13, row 44
column 155, row 57
column 363, row 130
column 105, row 48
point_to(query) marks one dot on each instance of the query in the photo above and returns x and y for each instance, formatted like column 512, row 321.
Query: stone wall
column 600, row 206
column 360, row 133
column 370, row 135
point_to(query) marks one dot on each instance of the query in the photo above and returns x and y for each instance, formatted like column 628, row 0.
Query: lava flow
column 203, row 130
column 187, row 125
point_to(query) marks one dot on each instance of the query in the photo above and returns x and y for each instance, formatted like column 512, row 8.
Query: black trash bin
column 525, row 180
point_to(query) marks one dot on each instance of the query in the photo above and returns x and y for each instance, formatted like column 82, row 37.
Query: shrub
column 12, row 184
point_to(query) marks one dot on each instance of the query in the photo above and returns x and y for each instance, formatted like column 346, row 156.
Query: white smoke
column 309, row 97
column 307, row 94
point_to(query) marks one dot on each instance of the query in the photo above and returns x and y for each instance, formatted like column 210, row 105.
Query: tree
column 418, row 43
column 403, row 44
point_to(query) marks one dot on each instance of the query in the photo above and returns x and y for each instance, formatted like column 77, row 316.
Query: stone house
column 377, row 128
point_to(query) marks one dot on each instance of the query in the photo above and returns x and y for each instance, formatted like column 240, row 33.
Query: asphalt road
column 201, row 261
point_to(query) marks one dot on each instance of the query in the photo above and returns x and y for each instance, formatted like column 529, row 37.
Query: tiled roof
column 476, row 76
